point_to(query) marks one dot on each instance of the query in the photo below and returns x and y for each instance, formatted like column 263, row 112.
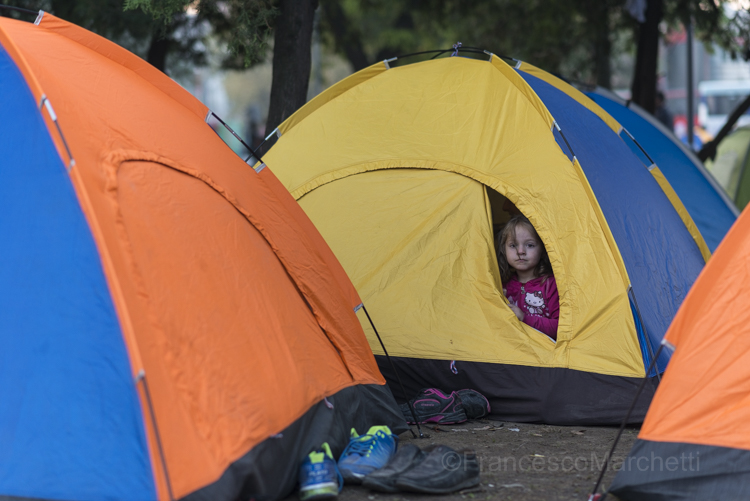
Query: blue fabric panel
column 646, row 353
column 705, row 205
column 660, row 255
column 71, row 425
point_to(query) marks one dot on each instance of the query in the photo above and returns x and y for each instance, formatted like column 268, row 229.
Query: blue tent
column 708, row 205
column 647, row 228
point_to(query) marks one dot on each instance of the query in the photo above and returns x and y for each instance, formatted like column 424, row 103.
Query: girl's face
column 523, row 252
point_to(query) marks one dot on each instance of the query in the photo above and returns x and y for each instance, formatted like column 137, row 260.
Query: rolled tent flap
column 178, row 316
column 701, row 406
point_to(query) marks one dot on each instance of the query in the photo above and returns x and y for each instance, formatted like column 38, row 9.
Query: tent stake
column 403, row 390
column 622, row 427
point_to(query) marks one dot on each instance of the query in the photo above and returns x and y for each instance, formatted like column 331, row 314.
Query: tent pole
column 622, row 428
column 645, row 334
column 408, row 402
column 142, row 377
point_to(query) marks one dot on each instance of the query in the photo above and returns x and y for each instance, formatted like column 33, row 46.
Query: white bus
column 718, row 98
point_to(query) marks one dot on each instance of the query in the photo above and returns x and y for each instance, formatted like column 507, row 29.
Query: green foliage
column 134, row 29
column 714, row 23
column 243, row 25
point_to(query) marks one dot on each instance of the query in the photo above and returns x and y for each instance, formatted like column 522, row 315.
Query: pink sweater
column 538, row 300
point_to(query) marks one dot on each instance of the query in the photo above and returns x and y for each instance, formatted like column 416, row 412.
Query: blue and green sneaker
column 319, row 477
column 367, row 453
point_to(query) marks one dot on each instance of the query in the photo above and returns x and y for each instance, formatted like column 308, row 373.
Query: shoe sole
column 377, row 485
column 352, row 478
column 452, row 418
column 320, row 491
column 406, row 485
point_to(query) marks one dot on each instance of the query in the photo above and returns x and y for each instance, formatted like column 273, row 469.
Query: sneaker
column 384, row 480
column 474, row 403
column 319, row 477
column 367, row 453
column 442, row 471
column 433, row 406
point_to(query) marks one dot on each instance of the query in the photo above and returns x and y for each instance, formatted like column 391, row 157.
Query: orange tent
column 694, row 443
column 173, row 315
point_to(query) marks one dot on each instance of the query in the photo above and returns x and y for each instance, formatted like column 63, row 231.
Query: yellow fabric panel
column 604, row 225
column 424, row 265
column 681, row 210
column 331, row 93
column 572, row 92
column 437, row 115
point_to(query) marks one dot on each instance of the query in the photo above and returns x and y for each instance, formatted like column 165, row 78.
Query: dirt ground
column 520, row 462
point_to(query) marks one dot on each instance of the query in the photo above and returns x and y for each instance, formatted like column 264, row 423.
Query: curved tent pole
column 403, row 389
column 19, row 9
column 622, row 428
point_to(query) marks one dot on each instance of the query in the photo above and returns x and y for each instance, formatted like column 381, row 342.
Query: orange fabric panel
column 240, row 350
column 221, row 282
column 704, row 397
column 320, row 245
column 127, row 59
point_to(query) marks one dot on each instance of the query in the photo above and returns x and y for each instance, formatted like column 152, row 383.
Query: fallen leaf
column 537, row 434
column 513, row 429
column 458, row 429
column 482, row 428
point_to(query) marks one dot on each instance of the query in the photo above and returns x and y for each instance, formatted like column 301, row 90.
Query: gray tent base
column 526, row 394
column 660, row 471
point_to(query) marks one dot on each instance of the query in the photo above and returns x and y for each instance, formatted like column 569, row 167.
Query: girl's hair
column 543, row 269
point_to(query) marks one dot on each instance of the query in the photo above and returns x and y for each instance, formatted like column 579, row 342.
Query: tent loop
column 278, row 136
column 387, row 62
column 44, row 103
column 559, row 130
column 639, row 146
column 141, row 377
column 39, row 17
column 456, row 46
column 253, row 153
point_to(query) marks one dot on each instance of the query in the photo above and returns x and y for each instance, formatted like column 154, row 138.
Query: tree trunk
column 157, row 51
column 644, row 79
column 603, row 45
column 345, row 34
column 291, row 60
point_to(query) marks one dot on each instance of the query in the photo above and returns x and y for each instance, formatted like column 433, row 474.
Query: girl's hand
column 520, row 314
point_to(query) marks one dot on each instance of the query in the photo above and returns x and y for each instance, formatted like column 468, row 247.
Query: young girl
column 528, row 282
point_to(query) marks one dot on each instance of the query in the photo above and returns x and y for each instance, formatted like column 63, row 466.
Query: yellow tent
column 401, row 169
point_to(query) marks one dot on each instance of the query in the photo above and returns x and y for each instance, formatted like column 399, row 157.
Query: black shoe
column 443, row 471
column 474, row 403
column 432, row 405
column 384, row 480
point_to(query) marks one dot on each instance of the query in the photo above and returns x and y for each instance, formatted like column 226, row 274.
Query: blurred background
column 223, row 51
